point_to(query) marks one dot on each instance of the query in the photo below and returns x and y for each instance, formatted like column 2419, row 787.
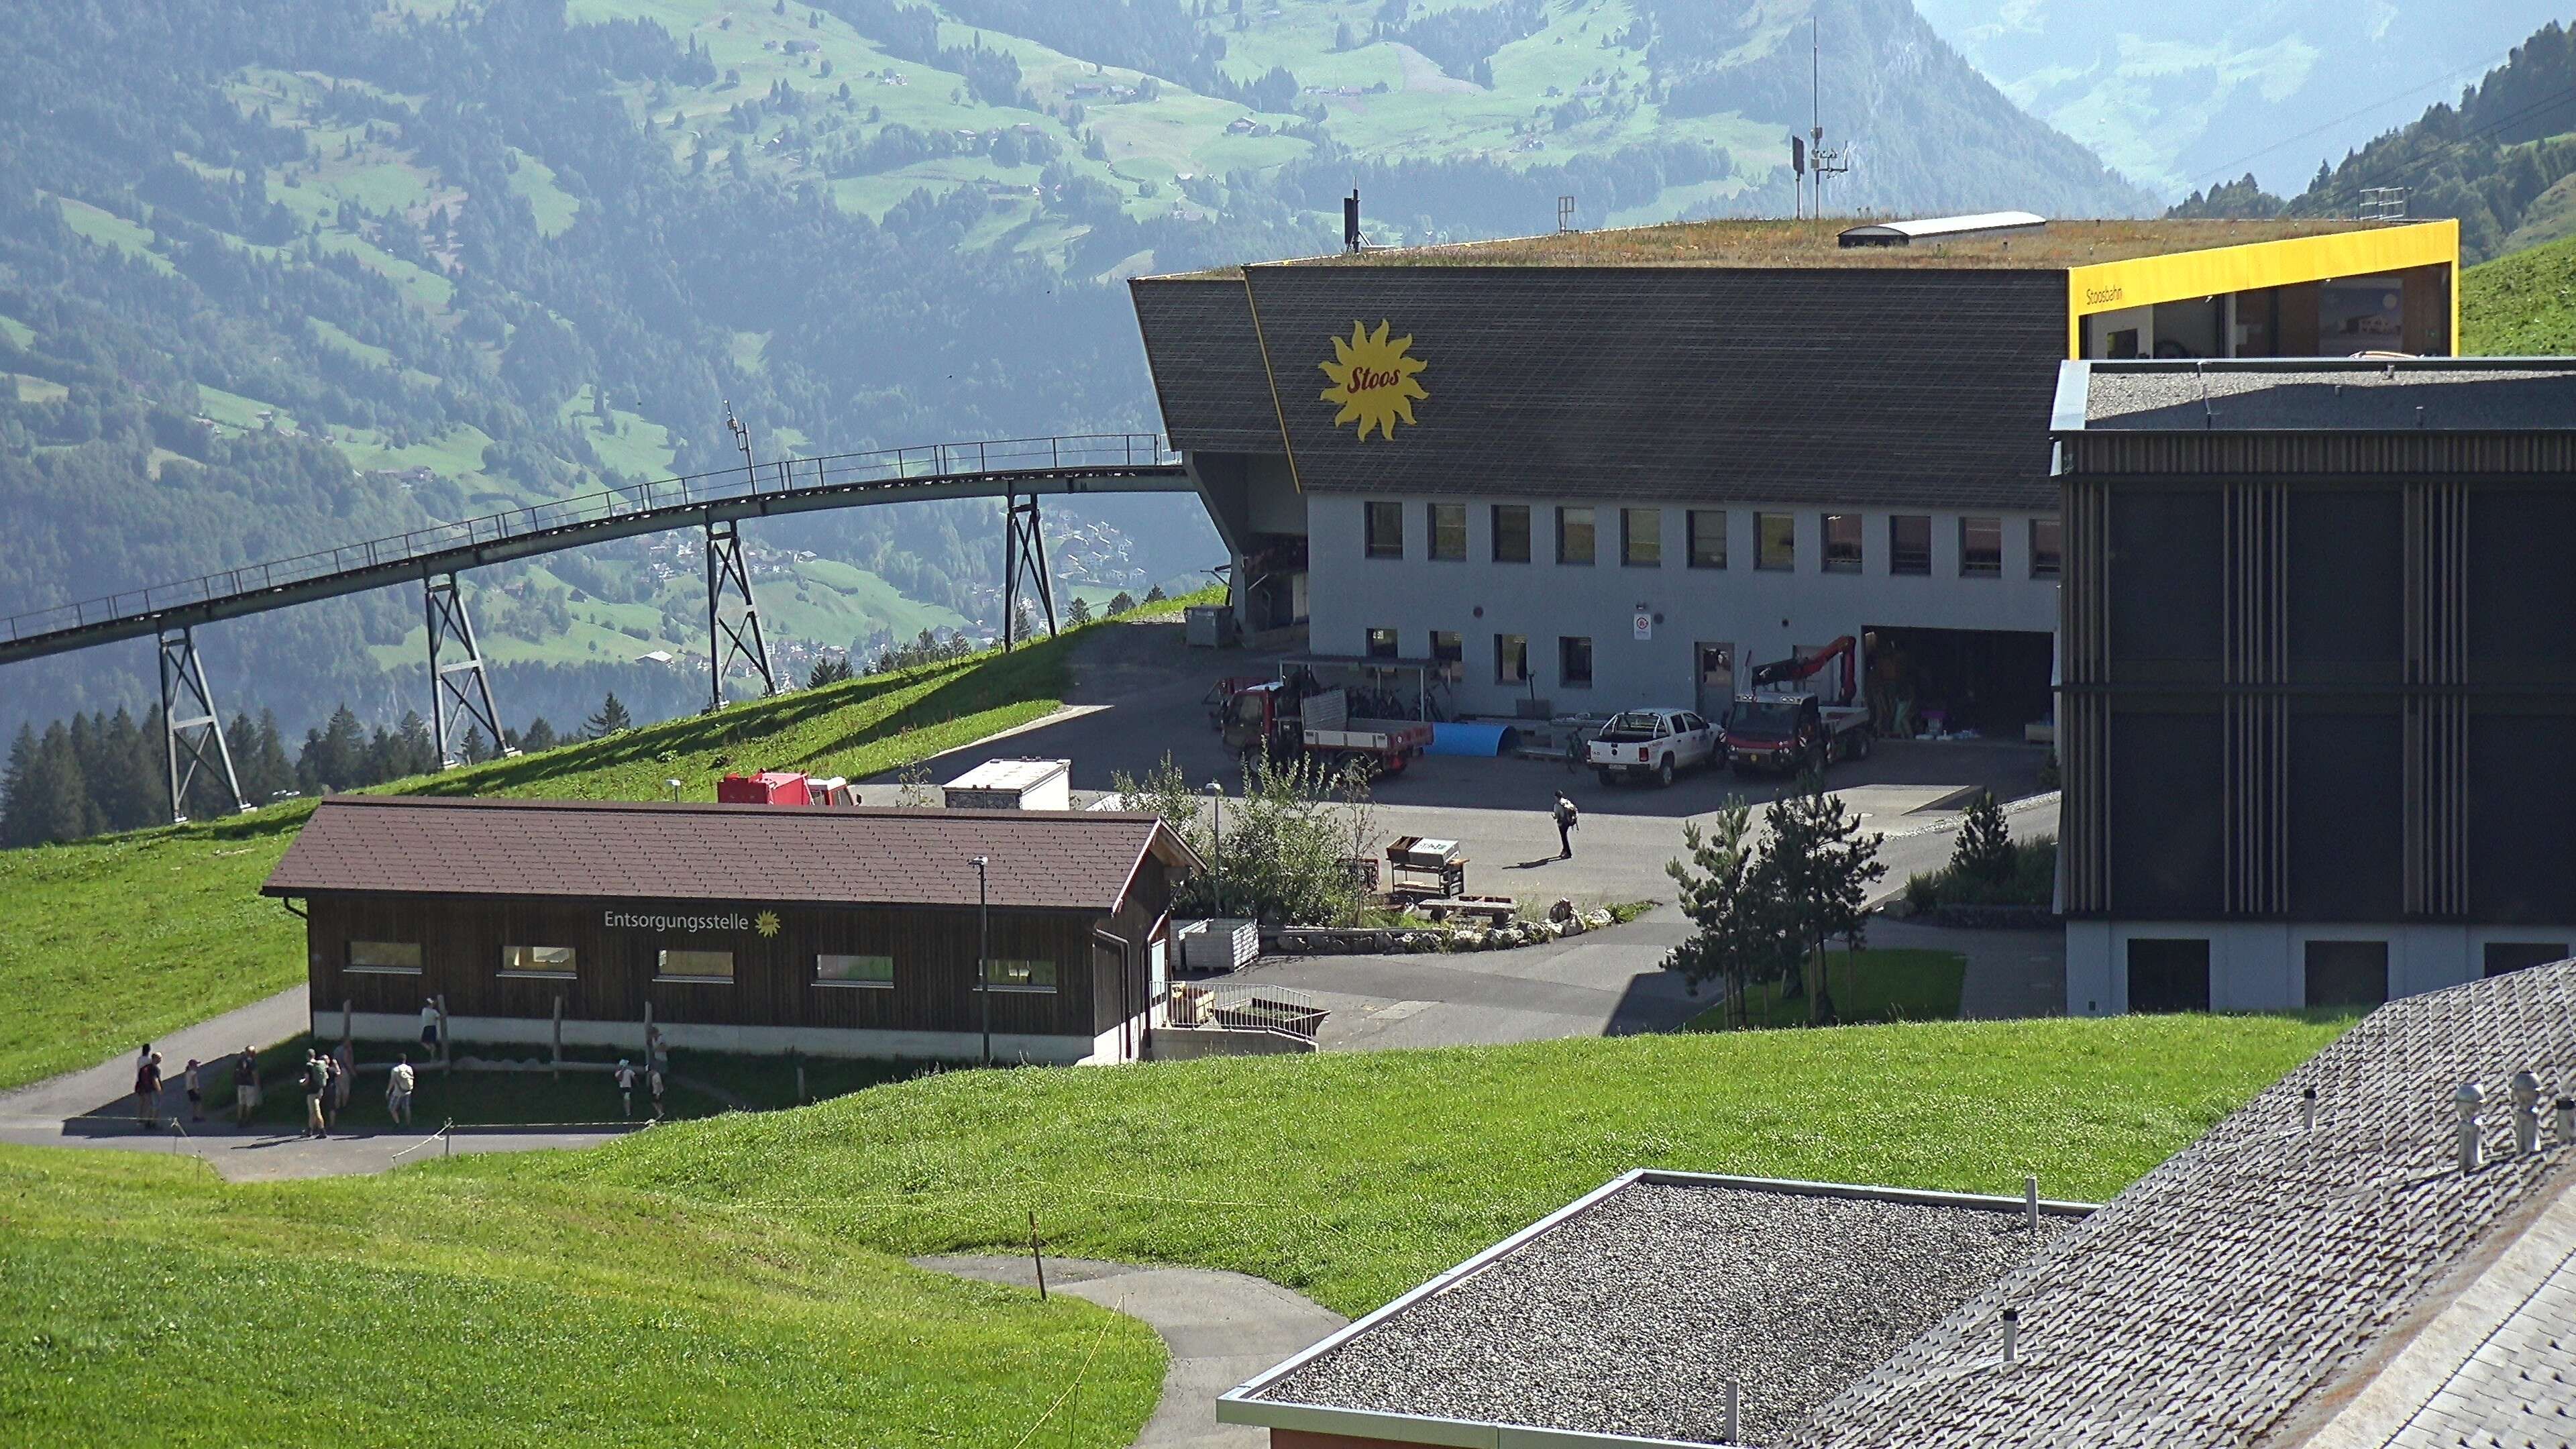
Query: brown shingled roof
column 1079, row 860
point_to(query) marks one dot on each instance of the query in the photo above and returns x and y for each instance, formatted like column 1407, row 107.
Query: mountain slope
column 281, row 276
column 2181, row 94
column 2500, row 160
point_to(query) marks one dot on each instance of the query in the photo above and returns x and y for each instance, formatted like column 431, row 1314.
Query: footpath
column 1221, row 1329
column 94, row 1107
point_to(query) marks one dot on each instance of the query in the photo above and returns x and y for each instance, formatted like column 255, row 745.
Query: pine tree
column 1077, row 613
column 1742, row 938
column 829, row 669
column 17, row 791
column 268, row 771
column 474, row 749
column 57, row 799
column 1122, row 602
column 612, row 718
column 539, row 735
column 1819, row 867
column 1155, row 595
column 334, row 757
column 1984, row 850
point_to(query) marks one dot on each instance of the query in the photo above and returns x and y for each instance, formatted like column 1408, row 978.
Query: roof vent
column 2012, row 1335
column 2566, row 1115
column 2467, row 1100
column 1944, row 228
column 2526, row 1114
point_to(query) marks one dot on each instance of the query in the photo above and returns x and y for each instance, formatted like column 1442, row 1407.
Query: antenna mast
column 1820, row 160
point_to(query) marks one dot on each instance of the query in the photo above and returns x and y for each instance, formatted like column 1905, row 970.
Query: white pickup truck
column 1654, row 742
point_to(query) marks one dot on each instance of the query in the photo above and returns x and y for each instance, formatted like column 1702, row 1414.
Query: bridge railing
column 886, row 468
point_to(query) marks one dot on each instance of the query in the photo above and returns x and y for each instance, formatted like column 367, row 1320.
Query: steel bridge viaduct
column 1019, row 471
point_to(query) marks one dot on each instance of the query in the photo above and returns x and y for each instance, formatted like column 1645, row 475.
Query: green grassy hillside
column 1353, row 1176
column 735, row 1280
column 2521, row 305
column 144, row 1302
column 109, row 941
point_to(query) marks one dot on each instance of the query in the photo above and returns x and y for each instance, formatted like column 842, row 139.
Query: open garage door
column 1993, row 681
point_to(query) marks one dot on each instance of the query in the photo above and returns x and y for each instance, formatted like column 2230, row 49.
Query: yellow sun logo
column 1373, row 380
column 766, row 923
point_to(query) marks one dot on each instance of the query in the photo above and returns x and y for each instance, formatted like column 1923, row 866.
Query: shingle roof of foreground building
column 2262, row 1266
column 1081, row 860
column 2341, row 1286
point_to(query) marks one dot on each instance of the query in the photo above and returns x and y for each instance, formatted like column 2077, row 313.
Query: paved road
column 1221, row 1328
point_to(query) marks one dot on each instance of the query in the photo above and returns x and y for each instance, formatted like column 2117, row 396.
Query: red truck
column 1284, row 720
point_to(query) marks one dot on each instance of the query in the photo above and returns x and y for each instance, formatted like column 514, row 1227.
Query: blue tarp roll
column 1485, row 740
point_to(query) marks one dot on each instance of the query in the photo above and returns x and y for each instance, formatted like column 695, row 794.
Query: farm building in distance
column 1601, row 470
column 833, row 932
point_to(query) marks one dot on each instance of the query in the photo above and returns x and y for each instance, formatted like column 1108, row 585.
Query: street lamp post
column 983, row 940
column 1216, row 798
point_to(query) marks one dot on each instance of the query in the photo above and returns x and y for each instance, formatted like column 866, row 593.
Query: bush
column 2031, row 880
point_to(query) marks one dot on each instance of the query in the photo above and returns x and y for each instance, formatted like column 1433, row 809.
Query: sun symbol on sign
column 1373, row 380
column 766, row 923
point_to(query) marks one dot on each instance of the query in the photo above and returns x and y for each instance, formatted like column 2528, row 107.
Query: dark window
column 2170, row 975
column 389, row 958
column 1002, row 974
column 1574, row 662
column 1574, row 535
column 537, row 961
column 1448, row 646
column 1449, row 531
column 1511, row 533
column 2347, row 973
column 1641, row 537
column 1708, row 538
column 1382, row 645
column 1842, row 543
column 1386, row 530
column 869, row 971
column 2505, row 956
column 1981, row 548
column 1775, row 541
column 2047, row 548
column 1909, row 543
column 1511, row 658
column 693, row 966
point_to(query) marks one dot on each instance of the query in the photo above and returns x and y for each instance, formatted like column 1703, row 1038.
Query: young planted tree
column 1984, row 849
column 1742, row 940
column 1819, row 868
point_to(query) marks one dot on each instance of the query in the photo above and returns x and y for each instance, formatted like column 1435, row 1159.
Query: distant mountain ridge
column 2502, row 160
column 282, row 275
column 2182, row 93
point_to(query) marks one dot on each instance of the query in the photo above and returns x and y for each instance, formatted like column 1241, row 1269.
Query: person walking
column 429, row 1025
column 147, row 1089
column 196, row 1092
column 398, row 1085
column 245, row 1086
column 625, row 1090
column 1567, row 818
column 317, row 1085
column 344, row 1075
column 653, row 1079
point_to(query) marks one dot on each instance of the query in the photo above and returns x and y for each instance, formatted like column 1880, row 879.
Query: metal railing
column 1282, row 1009
column 889, row 470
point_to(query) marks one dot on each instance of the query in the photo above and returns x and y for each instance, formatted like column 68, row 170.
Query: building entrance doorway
column 1716, row 676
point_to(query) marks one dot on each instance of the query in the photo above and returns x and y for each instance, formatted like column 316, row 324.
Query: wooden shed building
column 846, row 932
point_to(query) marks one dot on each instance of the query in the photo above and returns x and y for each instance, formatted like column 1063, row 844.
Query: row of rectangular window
column 1775, row 539
column 560, row 963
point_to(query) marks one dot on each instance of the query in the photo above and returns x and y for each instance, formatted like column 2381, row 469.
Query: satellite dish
column 1797, row 153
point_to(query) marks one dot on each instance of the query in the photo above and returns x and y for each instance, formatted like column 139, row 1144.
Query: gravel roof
column 2373, row 396
column 1629, row 1316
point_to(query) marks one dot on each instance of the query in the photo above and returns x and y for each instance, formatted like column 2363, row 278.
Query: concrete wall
column 1763, row 614
column 1189, row 1043
column 2261, row 965
column 472, row 1032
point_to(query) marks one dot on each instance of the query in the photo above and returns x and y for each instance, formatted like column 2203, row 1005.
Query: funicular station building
column 1597, row 471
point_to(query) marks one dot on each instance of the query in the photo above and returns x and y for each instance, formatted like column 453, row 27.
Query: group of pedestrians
column 149, row 1082
column 626, row 1079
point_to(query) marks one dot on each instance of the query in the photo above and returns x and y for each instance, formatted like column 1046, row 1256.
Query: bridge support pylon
column 192, row 727
column 459, row 688
column 1023, row 554
column 735, row 638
